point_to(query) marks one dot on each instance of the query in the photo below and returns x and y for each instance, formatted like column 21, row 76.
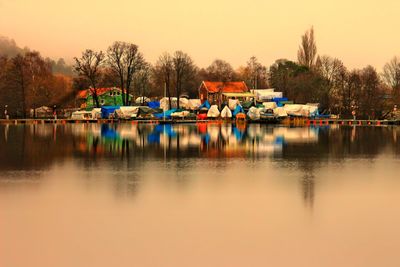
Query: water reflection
column 37, row 147
column 207, row 140
column 91, row 195
column 126, row 148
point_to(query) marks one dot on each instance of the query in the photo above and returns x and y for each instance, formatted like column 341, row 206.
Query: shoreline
column 288, row 122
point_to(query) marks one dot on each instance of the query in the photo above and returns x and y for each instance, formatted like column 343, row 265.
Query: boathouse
column 107, row 97
column 218, row 92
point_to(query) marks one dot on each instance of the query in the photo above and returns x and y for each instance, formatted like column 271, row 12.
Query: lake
column 199, row 195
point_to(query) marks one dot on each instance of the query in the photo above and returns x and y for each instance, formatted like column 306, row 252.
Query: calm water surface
column 199, row 195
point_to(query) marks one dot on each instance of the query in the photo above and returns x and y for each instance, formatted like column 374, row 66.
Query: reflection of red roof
column 226, row 87
column 100, row 91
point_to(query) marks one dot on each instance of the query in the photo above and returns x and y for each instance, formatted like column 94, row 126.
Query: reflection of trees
column 308, row 183
column 39, row 146
column 126, row 184
column 127, row 147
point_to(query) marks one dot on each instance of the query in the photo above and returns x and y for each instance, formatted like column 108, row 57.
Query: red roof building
column 83, row 94
column 213, row 91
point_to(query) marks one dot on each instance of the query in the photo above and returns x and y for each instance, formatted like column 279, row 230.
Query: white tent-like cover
column 264, row 95
column 213, row 112
column 183, row 103
column 280, row 112
column 164, row 103
column 301, row 110
column 142, row 99
column 232, row 103
column 81, row 115
column 193, row 104
column 254, row 113
column 270, row 105
column 226, row 112
column 127, row 112
column 96, row 113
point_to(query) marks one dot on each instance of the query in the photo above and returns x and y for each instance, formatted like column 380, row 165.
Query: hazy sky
column 359, row 32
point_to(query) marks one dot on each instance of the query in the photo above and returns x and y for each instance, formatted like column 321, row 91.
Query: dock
column 291, row 121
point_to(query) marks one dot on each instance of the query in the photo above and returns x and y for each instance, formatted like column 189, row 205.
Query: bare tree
column 220, row 70
column 40, row 79
column 308, row 49
column 30, row 77
column 115, row 54
column 257, row 73
column 391, row 76
column 141, row 80
column 183, row 68
column 372, row 93
column 165, row 68
column 331, row 69
column 18, row 74
column 125, row 59
column 89, row 67
column 328, row 67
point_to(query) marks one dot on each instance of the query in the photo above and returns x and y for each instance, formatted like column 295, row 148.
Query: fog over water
column 199, row 195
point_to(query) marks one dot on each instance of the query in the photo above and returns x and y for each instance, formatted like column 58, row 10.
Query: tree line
column 27, row 80
column 325, row 80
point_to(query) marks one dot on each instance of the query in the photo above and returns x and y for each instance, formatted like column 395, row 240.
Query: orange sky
column 358, row 32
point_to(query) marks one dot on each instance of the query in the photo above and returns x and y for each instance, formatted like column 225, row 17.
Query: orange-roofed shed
column 213, row 91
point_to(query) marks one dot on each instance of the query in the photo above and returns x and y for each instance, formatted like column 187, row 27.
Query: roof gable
column 100, row 91
column 225, row 87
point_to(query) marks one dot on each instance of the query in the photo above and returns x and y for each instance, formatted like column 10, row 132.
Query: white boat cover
column 267, row 94
column 43, row 109
column 81, row 115
column 213, row 112
column 270, row 105
column 96, row 113
column 310, row 110
column 180, row 114
column 301, row 110
column 142, row 99
column 232, row 103
column 194, row 104
column 254, row 113
column 164, row 103
column 294, row 109
column 184, row 103
column 280, row 112
column 226, row 112
column 127, row 112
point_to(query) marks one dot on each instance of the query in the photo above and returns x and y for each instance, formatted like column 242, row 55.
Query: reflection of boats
column 109, row 133
column 240, row 117
column 297, row 135
column 225, row 139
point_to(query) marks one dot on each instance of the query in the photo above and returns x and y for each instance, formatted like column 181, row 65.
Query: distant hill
column 9, row 48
